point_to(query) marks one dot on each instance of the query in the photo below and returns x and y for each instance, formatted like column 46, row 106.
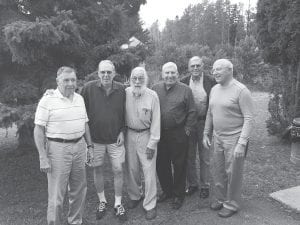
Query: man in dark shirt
column 177, row 120
column 201, row 84
column 105, row 104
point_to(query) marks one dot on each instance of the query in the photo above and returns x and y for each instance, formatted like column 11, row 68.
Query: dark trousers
column 172, row 150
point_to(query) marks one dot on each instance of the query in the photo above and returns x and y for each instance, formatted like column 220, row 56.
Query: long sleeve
column 191, row 111
column 246, row 106
column 155, row 124
column 208, row 123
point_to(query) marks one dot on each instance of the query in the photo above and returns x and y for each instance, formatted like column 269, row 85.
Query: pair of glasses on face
column 196, row 66
column 106, row 72
column 141, row 79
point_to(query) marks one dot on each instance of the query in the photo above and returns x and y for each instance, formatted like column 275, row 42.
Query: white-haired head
column 195, row 66
column 169, row 65
column 138, row 80
column 223, row 71
column 106, row 62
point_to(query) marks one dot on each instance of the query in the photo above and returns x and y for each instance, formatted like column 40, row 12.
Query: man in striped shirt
column 60, row 123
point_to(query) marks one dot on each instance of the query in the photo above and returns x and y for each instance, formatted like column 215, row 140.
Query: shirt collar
column 170, row 87
column 114, row 85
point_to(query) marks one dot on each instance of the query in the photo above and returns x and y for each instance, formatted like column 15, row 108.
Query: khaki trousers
column 67, row 170
column 227, row 172
column 136, row 157
column 195, row 143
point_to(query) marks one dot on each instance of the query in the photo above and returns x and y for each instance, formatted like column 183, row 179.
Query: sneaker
column 120, row 213
column 150, row 214
column 100, row 212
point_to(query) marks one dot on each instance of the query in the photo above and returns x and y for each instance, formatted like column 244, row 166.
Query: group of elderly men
column 154, row 131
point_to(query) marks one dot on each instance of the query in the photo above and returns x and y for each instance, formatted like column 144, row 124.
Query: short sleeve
column 42, row 113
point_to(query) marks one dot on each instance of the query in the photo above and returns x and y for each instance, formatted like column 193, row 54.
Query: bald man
column 177, row 121
column 105, row 103
column 142, row 136
column 229, row 120
column 201, row 85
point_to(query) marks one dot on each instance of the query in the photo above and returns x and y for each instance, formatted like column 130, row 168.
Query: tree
column 278, row 34
column 41, row 35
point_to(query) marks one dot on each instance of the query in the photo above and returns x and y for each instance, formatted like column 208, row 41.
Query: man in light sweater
column 142, row 136
column 229, row 120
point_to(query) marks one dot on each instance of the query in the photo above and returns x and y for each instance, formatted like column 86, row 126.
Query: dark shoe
column 134, row 203
column 177, row 203
column 216, row 206
column 225, row 213
column 163, row 197
column 120, row 213
column 204, row 192
column 150, row 214
column 191, row 190
column 101, row 209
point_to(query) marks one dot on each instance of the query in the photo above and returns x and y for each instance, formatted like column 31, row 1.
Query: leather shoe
column 204, row 192
column 163, row 197
column 191, row 190
column 225, row 213
column 216, row 206
column 177, row 203
column 150, row 214
column 133, row 203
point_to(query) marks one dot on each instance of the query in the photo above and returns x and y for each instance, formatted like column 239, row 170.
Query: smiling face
column 106, row 73
column 196, row 66
column 222, row 71
column 67, row 82
column 170, row 74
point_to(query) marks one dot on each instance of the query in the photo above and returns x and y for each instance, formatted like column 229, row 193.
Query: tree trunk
column 297, row 94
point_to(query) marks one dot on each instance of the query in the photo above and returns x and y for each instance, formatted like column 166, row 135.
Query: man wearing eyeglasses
column 201, row 84
column 142, row 136
column 105, row 103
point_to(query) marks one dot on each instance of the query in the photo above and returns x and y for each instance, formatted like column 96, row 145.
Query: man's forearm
column 39, row 139
column 87, row 135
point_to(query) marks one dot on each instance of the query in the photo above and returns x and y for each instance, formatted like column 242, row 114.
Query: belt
column 64, row 140
column 201, row 118
column 138, row 130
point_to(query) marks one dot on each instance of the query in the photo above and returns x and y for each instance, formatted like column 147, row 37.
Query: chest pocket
column 145, row 113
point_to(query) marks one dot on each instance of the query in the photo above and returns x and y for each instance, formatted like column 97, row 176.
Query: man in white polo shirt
column 60, row 124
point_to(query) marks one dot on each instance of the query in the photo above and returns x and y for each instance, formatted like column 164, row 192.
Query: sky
column 162, row 10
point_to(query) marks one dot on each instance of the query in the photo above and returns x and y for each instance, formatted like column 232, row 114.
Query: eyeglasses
column 138, row 79
column 106, row 72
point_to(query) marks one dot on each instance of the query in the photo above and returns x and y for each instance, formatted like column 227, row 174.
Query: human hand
column 239, row 151
column 49, row 92
column 120, row 139
column 206, row 141
column 90, row 156
column 150, row 153
column 45, row 166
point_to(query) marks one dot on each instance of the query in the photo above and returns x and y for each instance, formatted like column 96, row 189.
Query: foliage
column 40, row 36
column 278, row 29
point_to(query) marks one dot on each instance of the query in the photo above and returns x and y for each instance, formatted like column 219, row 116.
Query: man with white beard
column 143, row 134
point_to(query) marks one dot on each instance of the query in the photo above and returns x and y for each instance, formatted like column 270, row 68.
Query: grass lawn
column 23, row 189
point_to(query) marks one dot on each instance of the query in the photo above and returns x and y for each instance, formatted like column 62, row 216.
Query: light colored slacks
column 136, row 157
column 227, row 172
column 67, row 170
column 195, row 143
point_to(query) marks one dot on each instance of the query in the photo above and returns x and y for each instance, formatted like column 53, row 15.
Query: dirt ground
column 23, row 189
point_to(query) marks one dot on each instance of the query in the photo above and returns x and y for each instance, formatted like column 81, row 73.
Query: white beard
column 138, row 91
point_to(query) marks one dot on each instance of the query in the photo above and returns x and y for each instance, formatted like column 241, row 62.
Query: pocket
column 145, row 113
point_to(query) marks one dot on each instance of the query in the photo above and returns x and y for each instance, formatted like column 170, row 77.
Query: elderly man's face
column 67, row 83
column 106, row 73
column 170, row 75
column 138, row 79
column 221, row 72
column 196, row 67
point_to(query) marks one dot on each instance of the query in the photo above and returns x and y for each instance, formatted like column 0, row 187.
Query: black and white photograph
column 153, row 112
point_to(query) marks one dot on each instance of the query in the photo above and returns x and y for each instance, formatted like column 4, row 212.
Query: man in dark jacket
column 201, row 84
